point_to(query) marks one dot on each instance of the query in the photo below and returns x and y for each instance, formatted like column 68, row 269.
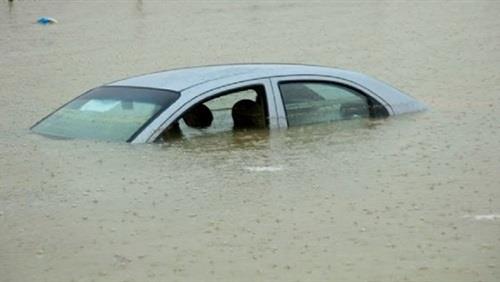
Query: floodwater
column 412, row 198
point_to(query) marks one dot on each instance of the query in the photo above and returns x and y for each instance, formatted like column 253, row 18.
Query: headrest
column 198, row 116
column 246, row 113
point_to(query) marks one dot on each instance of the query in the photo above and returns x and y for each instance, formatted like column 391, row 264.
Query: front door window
column 237, row 109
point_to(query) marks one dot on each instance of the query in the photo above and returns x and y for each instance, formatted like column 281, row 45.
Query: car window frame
column 280, row 106
column 193, row 96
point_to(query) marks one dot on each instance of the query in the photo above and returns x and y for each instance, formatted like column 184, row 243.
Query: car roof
column 184, row 78
column 195, row 80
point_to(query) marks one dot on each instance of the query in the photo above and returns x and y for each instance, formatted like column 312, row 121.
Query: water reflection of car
column 210, row 99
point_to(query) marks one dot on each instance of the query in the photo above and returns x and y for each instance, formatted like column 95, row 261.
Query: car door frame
column 192, row 96
column 280, row 106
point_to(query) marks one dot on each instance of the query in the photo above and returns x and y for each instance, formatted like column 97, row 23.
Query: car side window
column 230, row 110
column 309, row 102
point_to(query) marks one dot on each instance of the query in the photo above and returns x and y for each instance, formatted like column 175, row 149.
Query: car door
column 304, row 100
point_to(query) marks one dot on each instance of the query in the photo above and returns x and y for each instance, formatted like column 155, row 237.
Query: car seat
column 247, row 114
column 198, row 116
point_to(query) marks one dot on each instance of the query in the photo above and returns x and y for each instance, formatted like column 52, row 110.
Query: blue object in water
column 46, row 20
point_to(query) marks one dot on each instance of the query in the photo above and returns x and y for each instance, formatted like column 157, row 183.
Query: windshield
column 111, row 113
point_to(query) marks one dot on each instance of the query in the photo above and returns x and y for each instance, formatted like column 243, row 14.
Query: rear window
column 111, row 113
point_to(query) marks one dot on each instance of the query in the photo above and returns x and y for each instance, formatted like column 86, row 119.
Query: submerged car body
column 140, row 109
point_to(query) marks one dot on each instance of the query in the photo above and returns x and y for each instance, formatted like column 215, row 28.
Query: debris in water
column 487, row 216
column 484, row 216
column 122, row 261
column 263, row 168
column 46, row 20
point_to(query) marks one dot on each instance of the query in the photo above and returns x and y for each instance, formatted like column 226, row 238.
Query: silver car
column 218, row 98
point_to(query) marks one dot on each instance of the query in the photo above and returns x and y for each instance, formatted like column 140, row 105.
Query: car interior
column 236, row 109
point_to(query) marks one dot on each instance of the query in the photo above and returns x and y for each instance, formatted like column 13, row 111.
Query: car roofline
column 219, row 65
column 223, row 75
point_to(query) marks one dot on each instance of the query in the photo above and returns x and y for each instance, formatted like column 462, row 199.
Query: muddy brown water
column 412, row 198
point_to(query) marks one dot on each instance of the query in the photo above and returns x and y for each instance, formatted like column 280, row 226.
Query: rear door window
column 313, row 102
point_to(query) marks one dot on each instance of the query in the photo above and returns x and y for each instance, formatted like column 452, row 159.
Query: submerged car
column 218, row 98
